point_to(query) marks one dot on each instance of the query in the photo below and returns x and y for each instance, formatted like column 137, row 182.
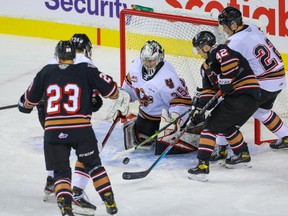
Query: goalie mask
column 82, row 43
column 151, row 55
column 229, row 15
column 65, row 50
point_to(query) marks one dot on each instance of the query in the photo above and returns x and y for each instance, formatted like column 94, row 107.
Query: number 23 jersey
column 67, row 90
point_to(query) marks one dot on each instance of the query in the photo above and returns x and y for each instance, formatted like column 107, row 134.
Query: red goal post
column 174, row 30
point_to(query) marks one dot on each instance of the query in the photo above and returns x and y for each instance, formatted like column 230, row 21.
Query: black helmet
column 65, row 50
column 82, row 42
column 228, row 15
column 203, row 38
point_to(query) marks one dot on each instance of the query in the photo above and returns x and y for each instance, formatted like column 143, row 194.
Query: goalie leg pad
column 133, row 137
column 188, row 142
column 129, row 134
column 190, row 139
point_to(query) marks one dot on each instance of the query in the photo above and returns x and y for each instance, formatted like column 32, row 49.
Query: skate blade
column 49, row 196
column 83, row 211
column 198, row 177
column 283, row 148
column 238, row 166
column 217, row 163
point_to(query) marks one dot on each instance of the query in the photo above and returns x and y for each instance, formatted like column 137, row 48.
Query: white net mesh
column 176, row 39
column 175, row 36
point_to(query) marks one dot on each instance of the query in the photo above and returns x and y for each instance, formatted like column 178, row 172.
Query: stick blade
column 134, row 175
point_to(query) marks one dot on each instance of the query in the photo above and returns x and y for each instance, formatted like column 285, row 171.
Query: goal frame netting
column 169, row 17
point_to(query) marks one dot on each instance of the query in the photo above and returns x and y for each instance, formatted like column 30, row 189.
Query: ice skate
column 110, row 204
column 65, row 210
column 200, row 172
column 81, row 204
column 49, row 189
column 280, row 143
column 242, row 160
column 219, row 155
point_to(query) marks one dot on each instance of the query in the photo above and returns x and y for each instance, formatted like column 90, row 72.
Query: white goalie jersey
column 262, row 56
column 165, row 90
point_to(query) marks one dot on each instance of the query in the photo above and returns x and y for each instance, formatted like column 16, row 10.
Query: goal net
column 174, row 30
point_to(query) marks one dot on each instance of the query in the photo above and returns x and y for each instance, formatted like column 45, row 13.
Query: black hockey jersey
column 67, row 90
column 224, row 62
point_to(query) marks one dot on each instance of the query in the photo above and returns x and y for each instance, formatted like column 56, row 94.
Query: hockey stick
column 151, row 137
column 9, row 107
column 142, row 174
column 116, row 120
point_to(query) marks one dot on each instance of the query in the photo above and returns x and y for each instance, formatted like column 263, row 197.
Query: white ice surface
column 259, row 191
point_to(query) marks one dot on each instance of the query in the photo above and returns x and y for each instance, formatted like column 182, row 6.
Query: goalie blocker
column 133, row 135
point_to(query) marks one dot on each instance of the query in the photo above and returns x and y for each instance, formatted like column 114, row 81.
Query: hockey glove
column 225, row 85
column 121, row 104
column 41, row 112
column 196, row 117
column 23, row 106
column 97, row 101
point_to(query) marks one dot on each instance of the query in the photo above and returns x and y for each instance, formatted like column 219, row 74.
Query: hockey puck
column 126, row 160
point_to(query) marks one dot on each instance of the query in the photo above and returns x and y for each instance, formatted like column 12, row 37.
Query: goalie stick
column 142, row 174
column 9, row 106
column 151, row 137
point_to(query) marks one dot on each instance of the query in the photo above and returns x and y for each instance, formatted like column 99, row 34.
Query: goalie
column 155, row 84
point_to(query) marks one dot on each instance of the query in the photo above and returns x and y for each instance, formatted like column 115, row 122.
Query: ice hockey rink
column 166, row 191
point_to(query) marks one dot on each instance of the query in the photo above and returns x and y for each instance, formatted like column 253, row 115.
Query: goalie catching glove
column 120, row 105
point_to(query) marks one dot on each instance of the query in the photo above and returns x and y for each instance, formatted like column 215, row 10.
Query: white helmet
column 151, row 55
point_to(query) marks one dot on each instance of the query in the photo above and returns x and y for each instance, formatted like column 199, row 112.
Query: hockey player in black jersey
column 67, row 90
column 228, row 71
column 81, row 203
